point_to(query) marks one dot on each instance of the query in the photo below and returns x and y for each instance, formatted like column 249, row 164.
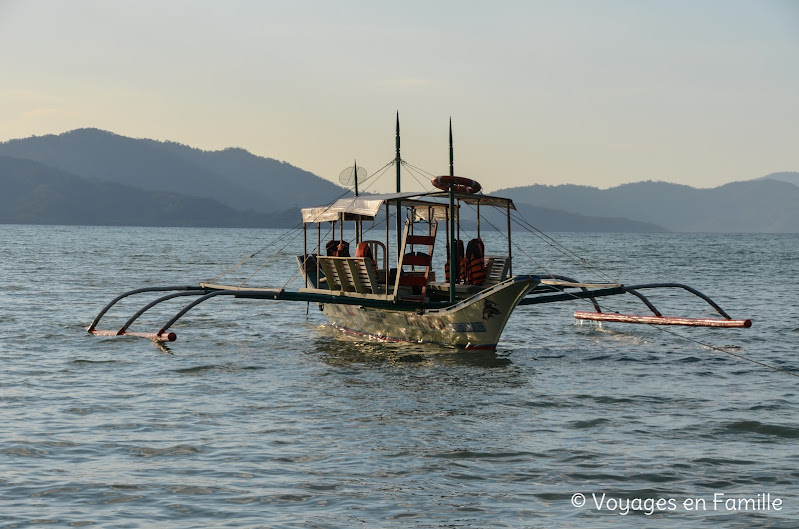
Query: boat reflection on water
column 339, row 349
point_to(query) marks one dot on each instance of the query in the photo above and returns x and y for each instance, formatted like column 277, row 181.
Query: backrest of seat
column 350, row 274
column 496, row 269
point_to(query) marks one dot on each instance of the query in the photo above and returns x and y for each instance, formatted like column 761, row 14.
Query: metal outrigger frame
column 554, row 290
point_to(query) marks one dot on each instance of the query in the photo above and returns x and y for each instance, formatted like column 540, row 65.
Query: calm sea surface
column 258, row 417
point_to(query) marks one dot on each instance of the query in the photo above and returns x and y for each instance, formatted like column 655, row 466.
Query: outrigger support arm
column 693, row 291
column 657, row 319
column 137, row 291
column 190, row 306
column 206, row 292
column 566, row 296
column 544, row 286
column 153, row 304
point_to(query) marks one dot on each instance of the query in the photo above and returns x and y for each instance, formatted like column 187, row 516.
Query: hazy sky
column 585, row 92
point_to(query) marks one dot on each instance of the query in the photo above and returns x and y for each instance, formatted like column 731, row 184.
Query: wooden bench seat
column 350, row 274
column 496, row 269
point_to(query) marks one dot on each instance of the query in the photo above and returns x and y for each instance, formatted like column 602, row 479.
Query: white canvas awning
column 366, row 207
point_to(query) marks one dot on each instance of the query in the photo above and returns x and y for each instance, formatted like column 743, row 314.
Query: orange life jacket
column 458, row 259
column 364, row 250
column 475, row 262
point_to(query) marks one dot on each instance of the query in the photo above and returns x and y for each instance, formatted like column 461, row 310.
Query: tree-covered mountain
column 548, row 219
column 233, row 177
column 792, row 177
column 762, row 205
column 90, row 176
column 33, row 193
column 552, row 220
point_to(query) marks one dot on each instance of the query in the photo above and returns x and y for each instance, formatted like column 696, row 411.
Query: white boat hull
column 474, row 323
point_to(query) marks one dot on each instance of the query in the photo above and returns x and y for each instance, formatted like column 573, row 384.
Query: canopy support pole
column 453, row 266
column 510, row 246
column 478, row 218
column 305, row 251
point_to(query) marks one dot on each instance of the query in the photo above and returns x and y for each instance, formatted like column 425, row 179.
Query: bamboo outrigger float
column 365, row 295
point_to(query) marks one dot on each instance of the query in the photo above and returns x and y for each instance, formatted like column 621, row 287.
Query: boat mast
column 358, row 221
column 451, row 151
column 399, row 206
column 453, row 266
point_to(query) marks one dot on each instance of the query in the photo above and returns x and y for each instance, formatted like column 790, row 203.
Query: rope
column 722, row 350
column 521, row 221
column 596, row 269
column 428, row 173
column 270, row 259
column 378, row 174
column 382, row 171
column 290, row 231
column 515, row 244
column 412, row 170
column 292, row 278
column 243, row 261
column 271, row 243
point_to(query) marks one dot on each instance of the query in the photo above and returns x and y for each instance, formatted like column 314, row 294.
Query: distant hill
column 548, row 219
column 552, row 220
column 763, row 205
column 788, row 176
column 233, row 177
column 33, row 193
column 166, row 183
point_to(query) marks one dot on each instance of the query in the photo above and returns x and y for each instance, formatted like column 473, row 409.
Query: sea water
column 259, row 416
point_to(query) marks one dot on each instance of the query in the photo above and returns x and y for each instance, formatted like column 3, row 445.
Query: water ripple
column 259, row 417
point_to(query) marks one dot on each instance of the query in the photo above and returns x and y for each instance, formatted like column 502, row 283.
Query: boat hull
column 474, row 323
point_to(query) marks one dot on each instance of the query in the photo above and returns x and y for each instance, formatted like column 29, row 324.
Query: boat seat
column 496, row 269
column 350, row 274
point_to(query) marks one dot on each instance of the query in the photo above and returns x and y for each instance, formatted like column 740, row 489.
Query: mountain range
column 232, row 176
column 90, row 176
column 763, row 205
column 34, row 193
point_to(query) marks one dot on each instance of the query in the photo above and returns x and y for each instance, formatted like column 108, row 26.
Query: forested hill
column 34, row 193
column 762, row 205
column 98, row 177
column 233, row 176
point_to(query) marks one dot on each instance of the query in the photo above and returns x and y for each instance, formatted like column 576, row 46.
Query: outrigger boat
column 390, row 295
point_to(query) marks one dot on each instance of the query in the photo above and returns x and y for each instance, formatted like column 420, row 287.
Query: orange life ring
column 461, row 185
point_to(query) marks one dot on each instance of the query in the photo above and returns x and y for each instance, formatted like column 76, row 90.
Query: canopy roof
column 367, row 206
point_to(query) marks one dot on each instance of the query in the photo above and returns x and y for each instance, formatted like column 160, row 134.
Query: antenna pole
column 356, row 177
